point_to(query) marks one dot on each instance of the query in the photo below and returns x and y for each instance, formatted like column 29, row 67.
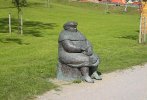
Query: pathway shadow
column 30, row 27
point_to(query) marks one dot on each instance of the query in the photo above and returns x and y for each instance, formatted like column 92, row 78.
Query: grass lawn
column 27, row 62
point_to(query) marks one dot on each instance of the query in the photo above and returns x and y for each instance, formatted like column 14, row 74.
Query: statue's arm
column 89, row 44
column 70, row 47
column 89, row 50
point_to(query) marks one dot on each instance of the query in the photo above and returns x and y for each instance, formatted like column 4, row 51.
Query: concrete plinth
column 68, row 73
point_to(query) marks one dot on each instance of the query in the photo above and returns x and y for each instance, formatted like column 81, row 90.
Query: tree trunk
column 19, row 21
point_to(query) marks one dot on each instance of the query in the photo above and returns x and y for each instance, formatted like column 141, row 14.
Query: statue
column 76, row 58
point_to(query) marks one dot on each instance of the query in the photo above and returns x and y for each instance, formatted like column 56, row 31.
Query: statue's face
column 71, row 26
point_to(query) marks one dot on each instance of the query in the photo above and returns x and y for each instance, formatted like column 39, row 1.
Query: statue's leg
column 85, row 73
column 76, row 60
column 94, row 74
column 93, row 69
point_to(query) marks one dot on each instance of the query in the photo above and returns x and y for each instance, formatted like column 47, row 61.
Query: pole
column 48, row 3
column 140, row 33
column 106, row 9
column 144, row 29
column 126, row 7
column 9, row 23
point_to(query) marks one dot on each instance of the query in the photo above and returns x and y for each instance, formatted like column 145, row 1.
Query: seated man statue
column 76, row 51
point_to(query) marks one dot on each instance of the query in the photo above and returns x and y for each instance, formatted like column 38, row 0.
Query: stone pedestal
column 68, row 73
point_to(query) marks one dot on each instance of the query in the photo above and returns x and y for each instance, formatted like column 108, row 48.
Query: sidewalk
column 130, row 84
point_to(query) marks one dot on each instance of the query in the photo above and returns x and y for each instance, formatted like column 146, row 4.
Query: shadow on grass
column 6, row 7
column 14, row 40
column 29, row 27
column 34, row 4
column 131, row 37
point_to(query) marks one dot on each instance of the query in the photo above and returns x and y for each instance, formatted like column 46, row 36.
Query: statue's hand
column 83, row 48
column 88, row 52
column 84, row 52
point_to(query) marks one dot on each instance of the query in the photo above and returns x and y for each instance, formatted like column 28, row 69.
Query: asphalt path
column 129, row 84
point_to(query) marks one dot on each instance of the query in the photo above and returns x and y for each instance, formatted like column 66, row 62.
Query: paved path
column 130, row 84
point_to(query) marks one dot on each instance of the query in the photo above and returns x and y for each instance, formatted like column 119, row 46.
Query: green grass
column 27, row 62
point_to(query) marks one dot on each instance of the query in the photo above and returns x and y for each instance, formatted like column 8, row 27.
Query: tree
column 19, row 4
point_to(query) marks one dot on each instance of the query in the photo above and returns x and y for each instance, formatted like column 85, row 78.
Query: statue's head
column 71, row 26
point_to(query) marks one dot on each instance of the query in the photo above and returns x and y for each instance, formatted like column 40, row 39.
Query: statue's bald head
column 71, row 26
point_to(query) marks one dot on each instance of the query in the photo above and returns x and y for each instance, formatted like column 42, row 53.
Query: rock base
column 68, row 73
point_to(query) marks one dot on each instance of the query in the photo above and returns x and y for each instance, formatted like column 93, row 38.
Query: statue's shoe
column 96, row 76
column 88, row 79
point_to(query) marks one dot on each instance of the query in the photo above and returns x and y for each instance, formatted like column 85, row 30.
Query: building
column 112, row 1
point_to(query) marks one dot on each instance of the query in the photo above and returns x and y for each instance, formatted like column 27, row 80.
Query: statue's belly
column 80, row 43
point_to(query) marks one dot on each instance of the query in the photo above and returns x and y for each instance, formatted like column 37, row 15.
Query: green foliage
column 19, row 3
column 77, row 81
column 26, row 62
